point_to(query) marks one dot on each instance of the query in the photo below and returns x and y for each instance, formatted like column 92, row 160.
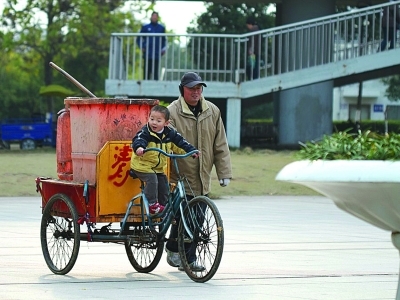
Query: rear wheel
column 201, row 254
column 144, row 250
column 60, row 234
column 27, row 144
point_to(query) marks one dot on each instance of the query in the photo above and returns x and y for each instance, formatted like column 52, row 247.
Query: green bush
column 365, row 145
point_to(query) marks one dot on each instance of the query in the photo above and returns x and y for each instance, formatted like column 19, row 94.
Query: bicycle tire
column 144, row 256
column 208, row 238
column 60, row 234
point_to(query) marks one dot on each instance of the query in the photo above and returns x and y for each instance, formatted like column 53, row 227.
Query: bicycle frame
column 176, row 201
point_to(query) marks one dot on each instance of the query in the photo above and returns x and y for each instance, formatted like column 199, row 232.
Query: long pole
column 72, row 79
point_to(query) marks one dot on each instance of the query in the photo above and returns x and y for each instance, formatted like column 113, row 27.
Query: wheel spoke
column 60, row 234
column 60, row 246
column 205, row 224
column 144, row 256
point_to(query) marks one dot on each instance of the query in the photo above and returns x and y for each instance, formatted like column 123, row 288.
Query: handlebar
column 172, row 155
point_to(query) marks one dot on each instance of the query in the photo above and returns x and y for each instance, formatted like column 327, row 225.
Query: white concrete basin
column 369, row 190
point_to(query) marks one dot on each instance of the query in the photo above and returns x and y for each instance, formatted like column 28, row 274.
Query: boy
column 150, row 166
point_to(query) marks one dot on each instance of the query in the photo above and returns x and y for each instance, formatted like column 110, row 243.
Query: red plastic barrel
column 95, row 121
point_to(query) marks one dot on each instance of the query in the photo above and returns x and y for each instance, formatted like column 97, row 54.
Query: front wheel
column 27, row 144
column 60, row 234
column 201, row 254
column 144, row 250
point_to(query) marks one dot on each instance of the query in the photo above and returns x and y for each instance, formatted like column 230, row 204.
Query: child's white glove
column 224, row 182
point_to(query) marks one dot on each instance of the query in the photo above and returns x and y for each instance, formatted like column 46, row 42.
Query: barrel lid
column 125, row 101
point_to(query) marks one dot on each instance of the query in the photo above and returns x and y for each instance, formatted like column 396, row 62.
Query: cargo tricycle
column 95, row 188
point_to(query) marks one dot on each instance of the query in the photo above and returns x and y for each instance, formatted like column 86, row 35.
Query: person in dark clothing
column 253, row 50
column 390, row 21
column 153, row 47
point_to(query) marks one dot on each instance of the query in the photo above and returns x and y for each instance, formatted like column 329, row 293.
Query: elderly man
column 199, row 121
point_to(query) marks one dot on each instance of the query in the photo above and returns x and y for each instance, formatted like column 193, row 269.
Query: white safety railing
column 225, row 57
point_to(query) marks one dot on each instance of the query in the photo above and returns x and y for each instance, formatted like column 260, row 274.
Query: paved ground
column 275, row 248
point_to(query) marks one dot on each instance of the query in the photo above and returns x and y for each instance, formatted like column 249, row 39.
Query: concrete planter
column 369, row 190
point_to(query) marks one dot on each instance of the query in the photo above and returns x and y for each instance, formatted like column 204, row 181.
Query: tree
column 90, row 55
column 393, row 87
column 19, row 81
column 231, row 18
column 225, row 19
column 73, row 33
column 18, row 87
column 37, row 28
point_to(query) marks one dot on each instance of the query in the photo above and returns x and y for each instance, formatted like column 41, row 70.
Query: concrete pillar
column 233, row 121
column 303, row 113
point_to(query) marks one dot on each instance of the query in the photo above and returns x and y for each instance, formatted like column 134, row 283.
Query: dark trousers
column 155, row 187
column 389, row 36
column 253, row 72
column 190, row 248
column 150, row 69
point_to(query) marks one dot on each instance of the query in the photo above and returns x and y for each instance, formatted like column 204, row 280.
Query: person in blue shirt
column 153, row 47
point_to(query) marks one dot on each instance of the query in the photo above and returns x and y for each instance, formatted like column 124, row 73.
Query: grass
column 254, row 173
column 20, row 168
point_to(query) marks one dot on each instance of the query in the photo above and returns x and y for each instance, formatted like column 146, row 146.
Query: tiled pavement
column 276, row 247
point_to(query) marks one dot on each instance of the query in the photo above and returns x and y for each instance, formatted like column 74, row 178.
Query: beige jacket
column 207, row 134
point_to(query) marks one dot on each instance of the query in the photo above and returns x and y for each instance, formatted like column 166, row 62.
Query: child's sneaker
column 156, row 208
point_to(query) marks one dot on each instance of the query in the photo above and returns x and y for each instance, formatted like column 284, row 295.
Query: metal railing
column 225, row 57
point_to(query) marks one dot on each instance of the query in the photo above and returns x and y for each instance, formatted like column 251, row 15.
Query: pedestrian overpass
column 341, row 48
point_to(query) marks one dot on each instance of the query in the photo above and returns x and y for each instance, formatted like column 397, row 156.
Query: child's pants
column 156, row 187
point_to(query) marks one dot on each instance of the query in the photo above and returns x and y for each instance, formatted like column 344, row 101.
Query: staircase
column 342, row 47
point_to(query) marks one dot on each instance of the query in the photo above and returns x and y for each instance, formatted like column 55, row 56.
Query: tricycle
column 96, row 188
